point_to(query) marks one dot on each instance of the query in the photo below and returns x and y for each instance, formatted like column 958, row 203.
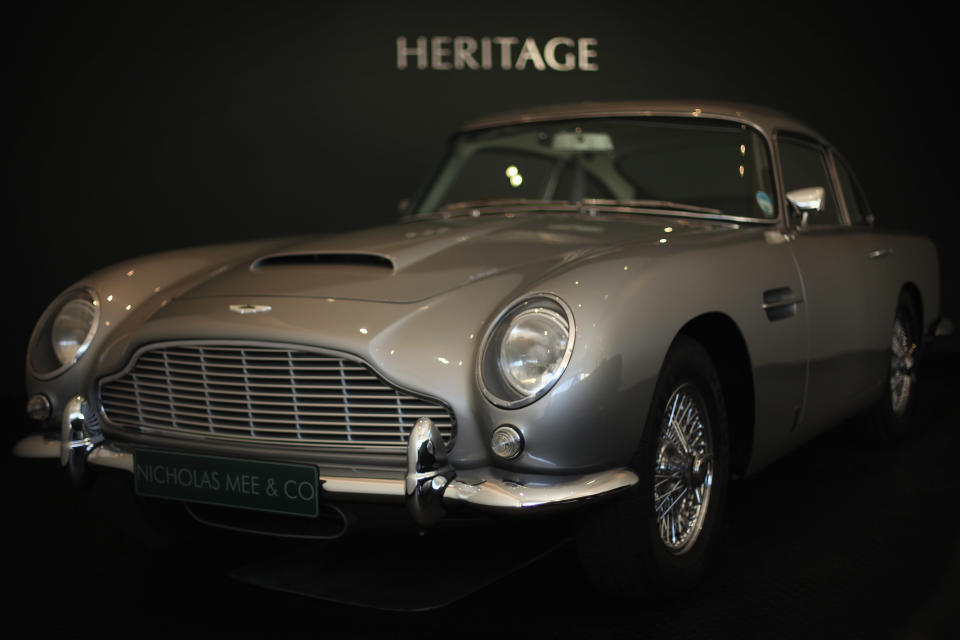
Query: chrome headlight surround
column 77, row 311
column 494, row 376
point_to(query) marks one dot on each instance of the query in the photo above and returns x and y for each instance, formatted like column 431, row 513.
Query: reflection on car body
column 609, row 308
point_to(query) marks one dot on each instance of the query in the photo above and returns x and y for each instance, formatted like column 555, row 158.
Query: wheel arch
column 913, row 291
column 724, row 342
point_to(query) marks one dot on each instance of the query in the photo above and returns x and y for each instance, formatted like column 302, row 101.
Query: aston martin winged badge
column 245, row 309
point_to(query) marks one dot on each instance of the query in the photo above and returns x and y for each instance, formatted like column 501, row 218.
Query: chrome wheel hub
column 902, row 372
column 683, row 473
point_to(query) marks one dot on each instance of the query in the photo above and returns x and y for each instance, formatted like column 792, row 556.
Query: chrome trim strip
column 38, row 445
column 795, row 299
column 108, row 455
column 341, row 485
column 491, row 493
column 510, row 119
column 502, row 494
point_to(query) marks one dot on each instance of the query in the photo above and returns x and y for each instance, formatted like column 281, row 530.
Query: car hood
column 413, row 261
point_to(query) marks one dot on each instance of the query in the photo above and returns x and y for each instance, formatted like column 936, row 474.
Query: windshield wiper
column 650, row 204
column 510, row 203
column 586, row 203
column 527, row 205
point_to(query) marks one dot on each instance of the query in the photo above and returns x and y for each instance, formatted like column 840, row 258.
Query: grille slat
column 168, row 370
column 328, row 387
column 145, row 386
column 323, row 444
column 195, row 410
column 375, row 428
column 301, row 407
column 265, row 395
column 209, row 363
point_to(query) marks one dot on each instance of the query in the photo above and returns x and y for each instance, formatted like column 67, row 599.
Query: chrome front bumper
column 430, row 482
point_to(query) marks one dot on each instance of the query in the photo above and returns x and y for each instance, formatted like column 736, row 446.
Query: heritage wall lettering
column 509, row 53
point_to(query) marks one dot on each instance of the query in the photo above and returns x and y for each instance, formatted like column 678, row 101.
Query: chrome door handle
column 780, row 303
column 879, row 253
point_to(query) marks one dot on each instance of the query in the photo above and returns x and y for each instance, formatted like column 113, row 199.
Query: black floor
column 841, row 539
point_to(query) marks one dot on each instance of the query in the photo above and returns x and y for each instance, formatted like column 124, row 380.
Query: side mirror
column 803, row 202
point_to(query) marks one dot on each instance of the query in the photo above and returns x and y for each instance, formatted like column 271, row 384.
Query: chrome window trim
column 627, row 112
column 825, row 150
column 693, row 116
column 839, row 160
column 841, row 200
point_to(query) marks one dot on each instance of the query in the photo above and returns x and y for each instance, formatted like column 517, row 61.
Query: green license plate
column 228, row 482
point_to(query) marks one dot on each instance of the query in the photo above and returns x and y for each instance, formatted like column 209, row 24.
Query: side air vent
column 319, row 259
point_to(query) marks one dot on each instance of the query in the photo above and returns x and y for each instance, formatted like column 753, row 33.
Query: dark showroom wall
column 135, row 128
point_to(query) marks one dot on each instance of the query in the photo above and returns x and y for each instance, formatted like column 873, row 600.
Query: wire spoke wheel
column 655, row 539
column 683, row 470
column 891, row 418
column 902, row 370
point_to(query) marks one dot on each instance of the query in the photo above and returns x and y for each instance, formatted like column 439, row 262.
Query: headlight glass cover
column 64, row 332
column 532, row 349
column 526, row 350
column 73, row 329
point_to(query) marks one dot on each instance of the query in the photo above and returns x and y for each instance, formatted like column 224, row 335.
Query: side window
column 852, row 195
column 804, row 166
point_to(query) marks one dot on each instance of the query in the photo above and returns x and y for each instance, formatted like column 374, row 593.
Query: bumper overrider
column 429, row 485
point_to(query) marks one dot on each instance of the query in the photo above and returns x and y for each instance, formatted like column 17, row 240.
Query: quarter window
column 852, row 195
column 804, row 166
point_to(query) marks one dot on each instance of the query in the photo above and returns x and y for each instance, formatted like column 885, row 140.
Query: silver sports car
column 611, row 307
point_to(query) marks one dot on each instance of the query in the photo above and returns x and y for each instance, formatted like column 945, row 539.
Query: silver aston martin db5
column 611, row 308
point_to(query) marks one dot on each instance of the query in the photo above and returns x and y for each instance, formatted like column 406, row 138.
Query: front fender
column 129, row 293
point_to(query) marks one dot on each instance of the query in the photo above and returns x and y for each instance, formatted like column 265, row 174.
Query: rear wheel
column 655, row 538
column 892, row 416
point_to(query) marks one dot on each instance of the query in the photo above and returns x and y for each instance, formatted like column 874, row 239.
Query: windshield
column 705, row 166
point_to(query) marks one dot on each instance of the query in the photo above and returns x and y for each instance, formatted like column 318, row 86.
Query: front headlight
column 64, row 332
column 73, row 329
column 526, row 351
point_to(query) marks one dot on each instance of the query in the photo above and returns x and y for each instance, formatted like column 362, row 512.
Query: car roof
column 765, row 119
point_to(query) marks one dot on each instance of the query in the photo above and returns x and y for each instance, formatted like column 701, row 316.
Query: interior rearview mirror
column 581, row 141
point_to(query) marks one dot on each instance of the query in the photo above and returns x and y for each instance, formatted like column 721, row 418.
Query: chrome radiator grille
column 265, row 395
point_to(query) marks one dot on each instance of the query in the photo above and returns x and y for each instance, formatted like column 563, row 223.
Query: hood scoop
column 322, row 259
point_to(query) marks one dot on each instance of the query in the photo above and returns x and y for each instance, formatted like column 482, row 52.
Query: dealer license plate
column 229, row 482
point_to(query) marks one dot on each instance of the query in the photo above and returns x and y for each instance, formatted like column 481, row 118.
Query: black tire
column 619, row 542
column 891, row 418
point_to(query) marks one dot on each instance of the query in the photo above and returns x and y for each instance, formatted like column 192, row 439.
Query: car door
column 876, row 250
column 833, row 266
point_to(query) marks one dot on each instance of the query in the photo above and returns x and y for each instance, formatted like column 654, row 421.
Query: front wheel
column 655, row 539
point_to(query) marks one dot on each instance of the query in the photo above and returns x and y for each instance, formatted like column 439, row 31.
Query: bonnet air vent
column 320, row 259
